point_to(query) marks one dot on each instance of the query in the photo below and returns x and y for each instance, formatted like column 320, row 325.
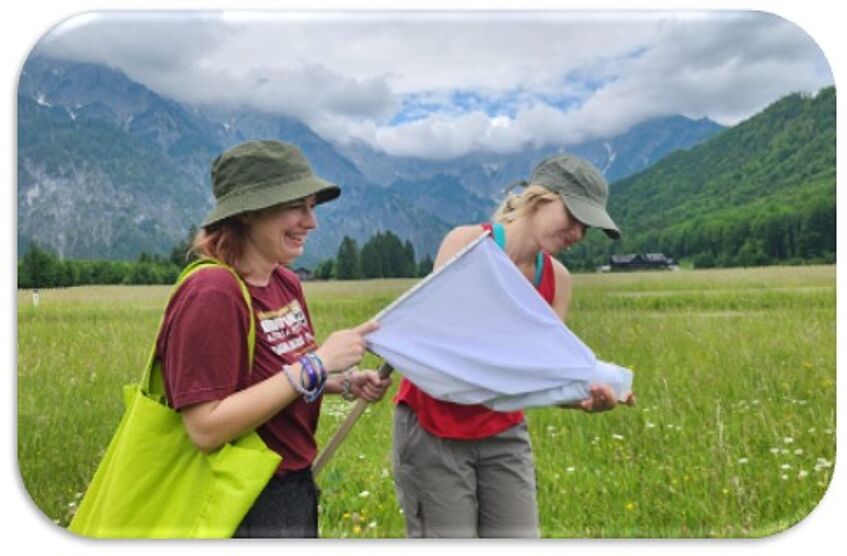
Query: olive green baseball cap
column 260, row 174
column 582, row 188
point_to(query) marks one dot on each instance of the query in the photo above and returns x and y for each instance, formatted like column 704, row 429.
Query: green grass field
column 733, row 434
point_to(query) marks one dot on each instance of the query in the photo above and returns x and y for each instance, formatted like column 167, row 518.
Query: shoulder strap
column 148, row 378
column 539, row 268
column 500, row 237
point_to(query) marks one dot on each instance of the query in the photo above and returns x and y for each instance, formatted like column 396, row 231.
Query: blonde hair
column 517, row 205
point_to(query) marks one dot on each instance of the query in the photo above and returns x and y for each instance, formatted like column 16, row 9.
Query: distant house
column 303, row 273
column 638, row 261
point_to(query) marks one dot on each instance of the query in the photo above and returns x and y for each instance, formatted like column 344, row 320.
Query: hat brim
column 270, row 195
column 592, row 215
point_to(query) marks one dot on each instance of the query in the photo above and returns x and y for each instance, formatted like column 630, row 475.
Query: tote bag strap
column 152, row 382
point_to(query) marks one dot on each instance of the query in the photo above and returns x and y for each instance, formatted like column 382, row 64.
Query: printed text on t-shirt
column 287, row 329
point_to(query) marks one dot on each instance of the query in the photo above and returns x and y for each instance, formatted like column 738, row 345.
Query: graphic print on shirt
column 287, row 330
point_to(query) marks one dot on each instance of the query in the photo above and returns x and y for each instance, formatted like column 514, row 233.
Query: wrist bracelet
column 314, row 379
column 317, row 377
column 309, row 395
column 318, row 364
column 312, row 396
column 296, row 384
column 347, row 385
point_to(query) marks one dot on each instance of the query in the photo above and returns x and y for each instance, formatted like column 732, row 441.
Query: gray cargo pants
column 464, row 488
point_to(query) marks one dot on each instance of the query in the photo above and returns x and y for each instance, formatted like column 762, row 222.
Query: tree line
column 801, row 231
column 41, row 268
column 783, row 230
column 384, row 255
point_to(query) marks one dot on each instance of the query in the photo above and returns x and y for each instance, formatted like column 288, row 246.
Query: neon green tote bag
column 154, row 483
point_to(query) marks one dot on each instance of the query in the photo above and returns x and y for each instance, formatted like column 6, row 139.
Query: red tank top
column 469, row 422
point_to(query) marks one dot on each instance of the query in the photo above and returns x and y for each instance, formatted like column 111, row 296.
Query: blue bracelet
column 318, row 364
column 314, row 380
column 309, row 395
column 313, row 395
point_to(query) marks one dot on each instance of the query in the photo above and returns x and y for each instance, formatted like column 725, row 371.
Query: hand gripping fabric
column 154, row 483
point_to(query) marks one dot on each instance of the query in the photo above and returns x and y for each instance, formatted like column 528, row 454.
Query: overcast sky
column 443, row 85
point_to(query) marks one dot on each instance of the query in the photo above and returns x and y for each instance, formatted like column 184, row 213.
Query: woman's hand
column 603, row 399
column 368, row 386
column 345, row 348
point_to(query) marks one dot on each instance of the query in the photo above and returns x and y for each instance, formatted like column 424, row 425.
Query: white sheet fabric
column 479, row 333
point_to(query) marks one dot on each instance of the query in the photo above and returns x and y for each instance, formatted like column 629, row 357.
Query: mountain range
column 107, row 168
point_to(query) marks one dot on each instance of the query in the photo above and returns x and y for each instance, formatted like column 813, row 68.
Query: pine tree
column 425, row 266
column 372, row 257
column 325, row 270
column 41, row 267
column 347, row 262
column 409, row 266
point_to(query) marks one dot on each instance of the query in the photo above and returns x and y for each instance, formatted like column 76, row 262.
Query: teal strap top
column 500, row 238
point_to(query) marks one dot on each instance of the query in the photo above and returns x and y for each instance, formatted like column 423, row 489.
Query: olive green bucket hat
column 260, row 174
column 582, row 187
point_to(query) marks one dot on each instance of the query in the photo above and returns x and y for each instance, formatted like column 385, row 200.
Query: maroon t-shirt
column 203, row 349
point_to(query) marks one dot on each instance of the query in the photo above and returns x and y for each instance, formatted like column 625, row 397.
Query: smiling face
column 555, row 227
column 278, row 234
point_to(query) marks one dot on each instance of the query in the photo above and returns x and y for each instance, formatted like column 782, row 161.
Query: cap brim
column 271, row 195
column 592, row 215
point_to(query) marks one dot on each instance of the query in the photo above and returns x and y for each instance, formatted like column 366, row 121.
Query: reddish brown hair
column 223, row 241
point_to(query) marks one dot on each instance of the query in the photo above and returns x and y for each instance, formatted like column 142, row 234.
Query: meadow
column 733, row 434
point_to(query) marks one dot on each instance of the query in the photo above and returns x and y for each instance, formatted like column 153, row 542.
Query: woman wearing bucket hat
column 266, row 194
column 467, row 471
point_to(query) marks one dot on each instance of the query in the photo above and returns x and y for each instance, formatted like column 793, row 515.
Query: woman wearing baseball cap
column 265, row 195
column 468, row 471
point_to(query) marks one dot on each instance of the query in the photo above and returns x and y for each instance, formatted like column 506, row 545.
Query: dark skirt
column 286, row 508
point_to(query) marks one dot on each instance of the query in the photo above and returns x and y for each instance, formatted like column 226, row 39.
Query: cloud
column 143, row 45
column 202, row 59
column 440, row 85
column 726, row 68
